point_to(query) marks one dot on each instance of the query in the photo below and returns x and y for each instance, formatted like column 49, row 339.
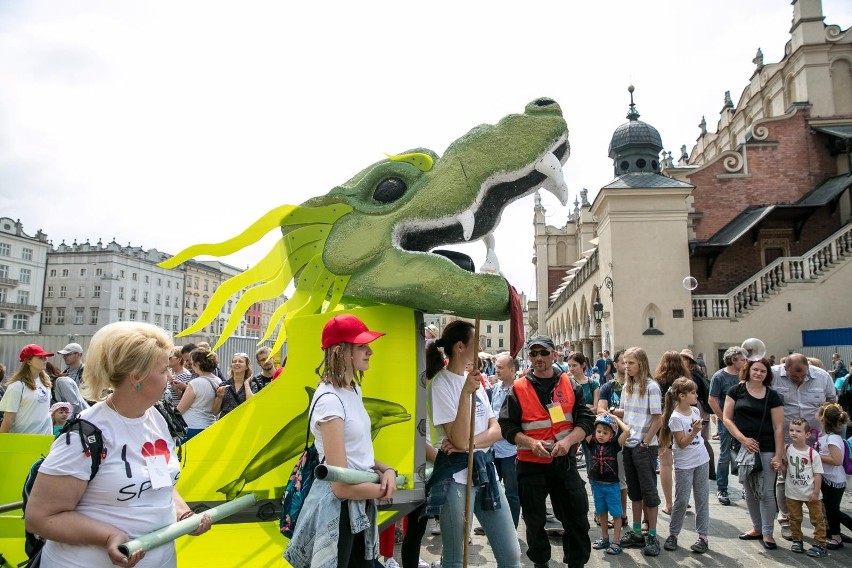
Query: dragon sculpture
column 372, row 239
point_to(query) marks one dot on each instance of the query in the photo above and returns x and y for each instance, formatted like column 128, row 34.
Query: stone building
column 748, row 235
column 22, row 271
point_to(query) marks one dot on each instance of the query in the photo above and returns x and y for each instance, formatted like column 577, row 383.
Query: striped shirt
column 639, row 411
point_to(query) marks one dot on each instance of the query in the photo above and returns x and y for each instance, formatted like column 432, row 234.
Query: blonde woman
column 341, row 427
column 26, row 402
column 237, row 389
column 85, row 520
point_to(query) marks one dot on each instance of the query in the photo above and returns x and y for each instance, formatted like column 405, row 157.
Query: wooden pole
column 467, row 506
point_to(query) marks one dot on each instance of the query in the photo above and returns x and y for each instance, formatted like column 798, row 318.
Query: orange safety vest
column 535, row 419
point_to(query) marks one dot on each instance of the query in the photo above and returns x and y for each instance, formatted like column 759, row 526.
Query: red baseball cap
column 346, row 328
column 33, row 350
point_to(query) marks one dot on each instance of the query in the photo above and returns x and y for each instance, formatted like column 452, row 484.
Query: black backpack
column 844, row 395
column 92, row 441
column 174, row 420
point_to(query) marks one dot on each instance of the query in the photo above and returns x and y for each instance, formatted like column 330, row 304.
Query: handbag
column 300, row 481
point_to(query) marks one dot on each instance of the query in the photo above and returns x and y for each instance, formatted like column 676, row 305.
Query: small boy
column 603, row 474
column 59, row 412
column 804, row 479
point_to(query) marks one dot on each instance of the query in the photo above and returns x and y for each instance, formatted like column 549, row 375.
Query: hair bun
column 439, row 343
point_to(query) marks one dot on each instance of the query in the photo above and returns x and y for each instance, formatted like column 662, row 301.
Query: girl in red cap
column 341, row 428
column 26, row 403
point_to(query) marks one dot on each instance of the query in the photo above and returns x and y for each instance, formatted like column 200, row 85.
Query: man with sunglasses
column 545, row 416
column 804, row 389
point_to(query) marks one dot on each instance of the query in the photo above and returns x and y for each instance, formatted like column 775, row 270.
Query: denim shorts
column 607, row 498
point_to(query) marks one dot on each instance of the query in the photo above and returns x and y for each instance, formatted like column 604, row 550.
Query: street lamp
column 598, row 309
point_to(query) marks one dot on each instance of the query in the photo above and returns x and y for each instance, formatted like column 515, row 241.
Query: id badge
column 159, row 471
column 556, row 414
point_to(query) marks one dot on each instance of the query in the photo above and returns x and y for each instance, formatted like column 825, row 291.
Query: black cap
column 542, row 340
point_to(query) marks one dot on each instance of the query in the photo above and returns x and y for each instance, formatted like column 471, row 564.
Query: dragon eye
column 389, row 190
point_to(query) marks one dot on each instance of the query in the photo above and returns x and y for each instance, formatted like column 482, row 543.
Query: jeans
column 507, row 471
column 693, row 480
column 762, row 509
column 570, row 506
column 723, row 468
column 350, row 547
column 502, row 536
column 410, row 552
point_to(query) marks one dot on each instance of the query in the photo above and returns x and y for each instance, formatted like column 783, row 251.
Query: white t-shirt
column 446, row 389
column 120, row 494
column 347, row 405
column 800, row 472
column 695, row 453
column 833, row 473
column 200, row 412
column 31, row 408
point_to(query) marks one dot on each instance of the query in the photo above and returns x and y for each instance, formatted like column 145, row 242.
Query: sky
column 165, row 124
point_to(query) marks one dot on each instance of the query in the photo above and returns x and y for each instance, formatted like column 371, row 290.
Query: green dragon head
column 369, row 240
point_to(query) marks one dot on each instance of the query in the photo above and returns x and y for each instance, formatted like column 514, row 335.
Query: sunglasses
column 543, row 353
column 241, row 355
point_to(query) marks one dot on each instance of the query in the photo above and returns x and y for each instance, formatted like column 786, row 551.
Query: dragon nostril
column 544, row 102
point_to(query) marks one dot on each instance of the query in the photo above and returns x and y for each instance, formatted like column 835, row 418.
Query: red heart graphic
column 159, row 447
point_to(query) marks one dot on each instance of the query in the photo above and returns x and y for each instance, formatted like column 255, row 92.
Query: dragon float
column 370, row 245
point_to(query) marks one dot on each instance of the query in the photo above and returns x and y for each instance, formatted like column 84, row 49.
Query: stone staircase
column 771, row 280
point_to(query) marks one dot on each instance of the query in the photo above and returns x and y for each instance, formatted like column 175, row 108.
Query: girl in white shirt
column 682, row 425
column 830, row 445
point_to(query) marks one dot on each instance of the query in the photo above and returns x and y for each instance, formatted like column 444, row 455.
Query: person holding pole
column 450, row 402
column 133, row 493
column 337, row 525
column 546, row 417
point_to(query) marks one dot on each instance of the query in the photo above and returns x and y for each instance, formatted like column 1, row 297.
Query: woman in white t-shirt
column 341, row 428
column 26, row 402
column 85, row 520
column 450, row 404
column 197, row 403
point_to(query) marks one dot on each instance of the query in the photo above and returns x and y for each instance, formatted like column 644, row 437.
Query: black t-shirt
column 748, row 412
column 604, row 461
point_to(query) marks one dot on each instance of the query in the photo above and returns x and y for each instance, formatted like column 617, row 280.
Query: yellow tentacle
column 265, row 291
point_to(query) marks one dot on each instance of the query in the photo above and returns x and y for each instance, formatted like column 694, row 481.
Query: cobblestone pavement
column 726, row 522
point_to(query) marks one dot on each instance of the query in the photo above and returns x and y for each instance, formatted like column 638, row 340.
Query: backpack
column 300, row 481
column 847, row 456
column 174, row 420
column 844, row 396
column 92, row 441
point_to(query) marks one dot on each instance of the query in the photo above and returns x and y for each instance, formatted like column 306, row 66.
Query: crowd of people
column 535, row 426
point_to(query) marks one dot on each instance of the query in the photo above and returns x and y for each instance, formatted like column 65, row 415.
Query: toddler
column 803, row 481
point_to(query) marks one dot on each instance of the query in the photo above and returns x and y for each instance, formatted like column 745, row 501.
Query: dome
column 635, row 145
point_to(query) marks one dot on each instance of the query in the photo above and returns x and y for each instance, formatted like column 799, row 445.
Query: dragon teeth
column 555, row 183
column 491, row 264
column 467, row 221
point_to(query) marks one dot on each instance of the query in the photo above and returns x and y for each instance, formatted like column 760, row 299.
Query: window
column 27, row 254
column 168, row 283
column 488, row 328
column 23, row 297
column 652, row 323
column 60, row 316
column 174, row 323
column 500, row 329
column 20, row 322
column 147, row 279
column 168, row 301
column 96, row 292
column 53, row 273
column 26, row 275
column 158, row 299
column 48, row 316
column 176, row 302
column 120, row 315
column 134, row 277
column 500, row 342
column 132, row 315
column 63, row 291
column 133, row 295
column 93, row 316
column 2, row 320
column 78, row 316
column 488, row 342
column 121, row 274
column 81, row 291
column 177, row 285
column 2, row 294
column 83, row 271
column 144, row 297
column 65, row 272
column 206, row 285
column 159, row 282
column 145, row 316
column 99, row 271
column 4, row 270
column 50, row 291
column 204, row 302
column 5, row 249
column 121, row 292
column 187, row 302
column 196, row 282
column 158, row 320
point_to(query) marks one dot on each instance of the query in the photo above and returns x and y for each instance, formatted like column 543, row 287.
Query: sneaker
column 436, row 527
column 422, row 564
column 632, row 540
column 436, row 564
column 700, row 546
column 817, row 551
column 652, row 546
column 723, row 498
column 786, row 533
column 798, row 546
column 671, row 543
column 478, row 531
column 391, row 563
